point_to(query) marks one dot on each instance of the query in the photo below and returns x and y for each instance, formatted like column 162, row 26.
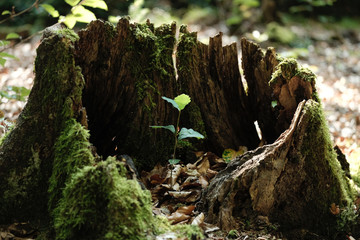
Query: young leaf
column 174, row 161
column 12, row 36
column 6, row 12
column 95, row 4
column 182, row 100
column 2, row 61
column 169, row 127
column 72, row 2
column 69, row 20
column 4, row 55
column 50, row 9
column 83, row 15
column 4, row 43
column 188, row 133
column 274, row 103
column 172, row 102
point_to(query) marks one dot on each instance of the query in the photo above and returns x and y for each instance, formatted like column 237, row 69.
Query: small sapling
column 179, row 103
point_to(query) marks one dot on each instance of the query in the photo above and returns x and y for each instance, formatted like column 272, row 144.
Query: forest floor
column 333, row 54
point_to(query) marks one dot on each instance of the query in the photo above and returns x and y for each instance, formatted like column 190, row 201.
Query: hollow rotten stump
column 97, row 92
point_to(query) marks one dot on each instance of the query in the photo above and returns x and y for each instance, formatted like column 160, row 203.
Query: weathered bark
column 293, row 181
column 210, row 75
column 127, row 70
column 117, row 77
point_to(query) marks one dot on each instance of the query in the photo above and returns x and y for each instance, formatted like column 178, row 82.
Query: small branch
column 22, row 41
column 22, row 12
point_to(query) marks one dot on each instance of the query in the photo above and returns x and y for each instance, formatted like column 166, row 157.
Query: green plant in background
column 179, row 103
column 5, row 43
column 78, row 11
column 240, row 11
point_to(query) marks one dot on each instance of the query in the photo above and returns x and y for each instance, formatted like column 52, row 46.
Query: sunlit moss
column 180, row 230
column 100, row 203
column 71, row 153
column 320, row 157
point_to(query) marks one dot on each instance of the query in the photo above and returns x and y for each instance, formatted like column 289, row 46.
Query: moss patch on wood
column 72, row 151
column 323, row 168
column 55, row 98
column 100, row 203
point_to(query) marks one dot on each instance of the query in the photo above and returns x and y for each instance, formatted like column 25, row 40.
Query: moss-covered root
column 72, row 151
column 100, row 203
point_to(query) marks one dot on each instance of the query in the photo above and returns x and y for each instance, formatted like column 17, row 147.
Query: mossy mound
column 72, row 151
column 100, row 203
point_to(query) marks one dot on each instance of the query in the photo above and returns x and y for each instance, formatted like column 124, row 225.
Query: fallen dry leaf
column 334, row 209
column 198, row 220
column 186, row 209
column 177, row 217
column 203, row 181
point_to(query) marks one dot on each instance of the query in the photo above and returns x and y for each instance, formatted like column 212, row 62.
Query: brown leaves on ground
column 176, row 189
column 18, row 231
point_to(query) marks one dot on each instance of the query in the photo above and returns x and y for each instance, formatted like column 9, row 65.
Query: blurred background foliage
column 237, row 15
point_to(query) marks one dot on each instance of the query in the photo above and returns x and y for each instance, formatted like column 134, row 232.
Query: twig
column 22, row 41
column 22, row 12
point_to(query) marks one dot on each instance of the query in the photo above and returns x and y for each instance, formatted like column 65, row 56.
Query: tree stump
column 110, row 80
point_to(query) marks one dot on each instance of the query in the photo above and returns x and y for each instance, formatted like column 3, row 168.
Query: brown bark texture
column 111, row 79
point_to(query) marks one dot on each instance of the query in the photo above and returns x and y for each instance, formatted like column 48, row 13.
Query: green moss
column 322, row 165
column 18, row 181
column 156, row 45
column 285, row 70
column 181, row 230
column 100, row 203
column 71, row 153
column 187, row 45
column 289, row 68
column 68, row 33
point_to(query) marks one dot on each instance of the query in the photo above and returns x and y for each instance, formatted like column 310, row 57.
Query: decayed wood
column 210, row 75
column 290, row 181
column 258, row 69
column 127, row 70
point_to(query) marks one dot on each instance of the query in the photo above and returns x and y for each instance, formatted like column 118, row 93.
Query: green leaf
column 114, row 19
column 69, row 20
column 83, row 15
column 7, row 55
column 188, row 133
column 2, row 61
column 174, row 161
column 274, row 103
column 17, row 93
column 50, row 9
column 172, row 102
column 72, row 2
column 4, row 43
column 95, row 4
column 182, row 100
column 169, row 127
column 6, row 12
column 12, row 36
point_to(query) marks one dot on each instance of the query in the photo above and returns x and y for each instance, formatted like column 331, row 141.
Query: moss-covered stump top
column 27, row 152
